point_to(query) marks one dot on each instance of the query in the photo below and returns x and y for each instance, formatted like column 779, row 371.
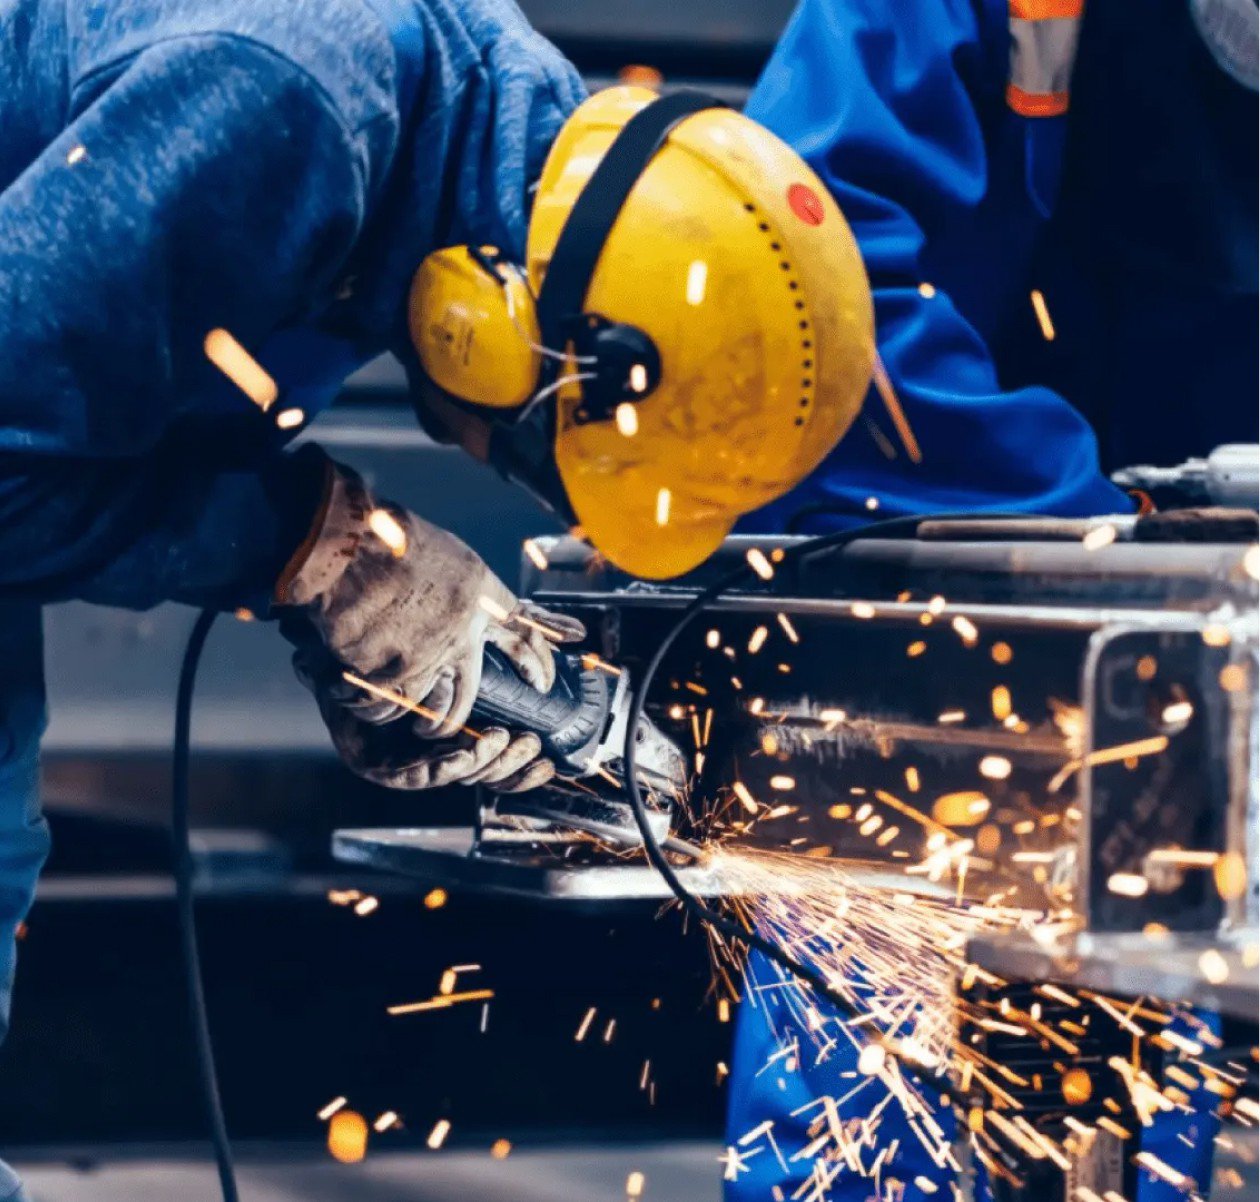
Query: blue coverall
column 172, row 166
column 1135, row 216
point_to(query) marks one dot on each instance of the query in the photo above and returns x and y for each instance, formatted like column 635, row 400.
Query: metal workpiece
column 1174, row 967
column 1079, row 717
column 533, row 864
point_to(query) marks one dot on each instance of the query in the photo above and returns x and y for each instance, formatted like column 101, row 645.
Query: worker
column 1051, row 204
column 211, row 212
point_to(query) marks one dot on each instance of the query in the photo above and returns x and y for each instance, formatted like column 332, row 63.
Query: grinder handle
column 504, row 698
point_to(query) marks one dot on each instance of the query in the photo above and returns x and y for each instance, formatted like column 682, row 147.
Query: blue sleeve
column 206, row 182
column 876, row 96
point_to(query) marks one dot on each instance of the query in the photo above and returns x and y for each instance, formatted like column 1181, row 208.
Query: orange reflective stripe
column 1036, row 104
column 1043, row 10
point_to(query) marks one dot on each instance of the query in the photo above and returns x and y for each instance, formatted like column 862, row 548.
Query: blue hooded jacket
column 277, row 169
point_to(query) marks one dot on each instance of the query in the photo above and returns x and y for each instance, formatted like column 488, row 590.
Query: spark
column 591, row 660
column 1214, row 967
column 435, row 899
column 1128, row 884
column 1216, row 635
column 638, row 378
column 77, row 155
column 235, row 362
column 290, row 419
column 386, row 527
column 1229, row 874
column 995, row 767
column 758, row 639
column 501, row 1149
column 746, row 799
column 385, row 1121
column 400, row 699
column 1177, row 712
column 585, row 1025
column 328, row 1111
column 862, row 609
column 712, row 639
column 917, row 648
column 1043, row 315
column 1158, row 1168
column 1180, row 858
column 244, row 615
column 788, row 629
column 759, row 563
column 871, row 1060
column 634, row 1185
column 1099, row 537
column 950, row 716
column 912, row 778
column 782, row 782
column 348, row 1137
column 926, row 290
column 966, row 630
column 883, row 385
column 964, row 808
column 1233, row 678
column 1251, row 562
column 1001, row 653
column 437, row 1137
column 662, row 507
column 442, row 1001
column 368, row 905
column 536, row 555
column 627, row 418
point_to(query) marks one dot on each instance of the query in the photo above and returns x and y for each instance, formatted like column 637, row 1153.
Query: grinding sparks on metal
column 76, row 155
column 235, row 362
column 290, row 419
column 663, row 497
column 759, row 563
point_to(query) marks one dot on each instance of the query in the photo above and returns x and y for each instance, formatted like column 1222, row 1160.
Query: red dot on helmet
column 806, row 204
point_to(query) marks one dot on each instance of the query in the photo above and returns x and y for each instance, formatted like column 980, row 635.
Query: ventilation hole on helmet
column 807, row 344
column 804, row 402
column 808, row 364
column 775, row 246
column 807, row 383
column 800, row 305
column 804, row 325
column 765, row 229
column 750, row 208
column 785, row 266
column 800, row 421
column 793, row 285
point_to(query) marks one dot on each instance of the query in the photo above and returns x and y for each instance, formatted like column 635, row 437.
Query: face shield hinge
column 618, row 364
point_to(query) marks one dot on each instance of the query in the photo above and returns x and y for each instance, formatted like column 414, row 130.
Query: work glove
column 407, row 608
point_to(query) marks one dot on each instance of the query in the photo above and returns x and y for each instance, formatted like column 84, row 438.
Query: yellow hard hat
column 691, row 333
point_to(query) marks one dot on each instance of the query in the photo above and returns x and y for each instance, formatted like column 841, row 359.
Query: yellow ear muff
column 474, row 325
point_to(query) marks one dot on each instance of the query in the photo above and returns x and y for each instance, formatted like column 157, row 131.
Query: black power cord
column 184, row 871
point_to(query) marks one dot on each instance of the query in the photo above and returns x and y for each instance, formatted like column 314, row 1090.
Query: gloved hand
column 408, row 608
